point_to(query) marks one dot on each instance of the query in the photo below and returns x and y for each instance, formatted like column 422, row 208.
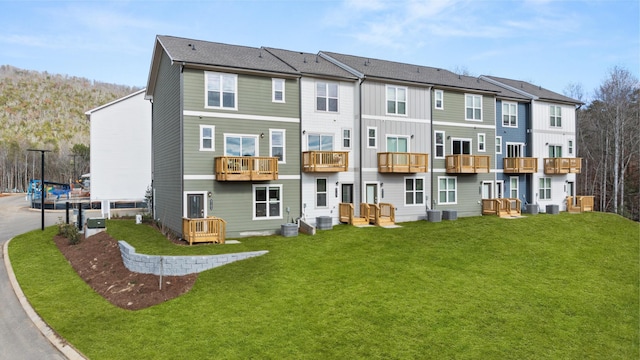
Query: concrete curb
column 66, row 349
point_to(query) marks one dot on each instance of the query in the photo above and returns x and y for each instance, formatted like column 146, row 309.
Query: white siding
column 121, row 149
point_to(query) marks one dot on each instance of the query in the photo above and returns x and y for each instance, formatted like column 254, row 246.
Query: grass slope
column 542, row 287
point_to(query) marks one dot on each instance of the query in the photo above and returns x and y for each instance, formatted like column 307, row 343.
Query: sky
column 550, row 43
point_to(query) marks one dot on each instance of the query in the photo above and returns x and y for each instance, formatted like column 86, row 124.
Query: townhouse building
column 225, row 137
column 329, row 147
column 550, row 142
column 258, row 137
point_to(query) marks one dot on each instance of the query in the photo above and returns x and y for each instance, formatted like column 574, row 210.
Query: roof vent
column 418, row 70
column 192, row 46
column 304, row 60
column 260, row 54
column 317, row 59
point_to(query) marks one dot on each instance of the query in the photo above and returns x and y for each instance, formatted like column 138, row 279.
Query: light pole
column 42, row 192
column 74, row 168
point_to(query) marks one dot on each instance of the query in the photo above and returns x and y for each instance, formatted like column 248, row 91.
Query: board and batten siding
column 166, row 146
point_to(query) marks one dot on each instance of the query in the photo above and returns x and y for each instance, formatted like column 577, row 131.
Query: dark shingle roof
column 310, row 64
column 224, row 55
column 535, row 90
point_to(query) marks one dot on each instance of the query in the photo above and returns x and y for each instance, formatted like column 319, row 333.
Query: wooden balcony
column 246, row 168
column 325, row 161
column 402, row 163
column 467, row 164
column 520, row 165
column 211, row 229
column 504, row 207
column 579, row 204
column 562, row 166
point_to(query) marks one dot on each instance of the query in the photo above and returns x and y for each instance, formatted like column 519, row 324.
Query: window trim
column 515, row 106
column 320, row 136
column 540, row 188
column 435, row 99
column 455, row 190
column 435, row 137
column 284, row 144
column 498, row 144
column 257, row 137
column 570, row 147
column 327, row 97
column 555, row 121
column 213, row 137
column 406, row 99
column 414, row 191
column 374, row 137
column 350, row 138
column 517, row 187
column 221, row 75
column 482, row 145
column 274, row 90
column 462, row 140
column 326, row 193
column 406, row 137
column 253, row 208
column 555, row 148
column 466, row 106
column 514, row 145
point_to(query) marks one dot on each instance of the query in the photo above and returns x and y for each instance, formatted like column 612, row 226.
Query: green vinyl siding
column 198, row 162
column 167, row 161
column 233, row 202
column 454, row 109
column 254, row 95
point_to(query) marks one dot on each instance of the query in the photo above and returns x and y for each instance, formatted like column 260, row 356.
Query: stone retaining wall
column 177, row 265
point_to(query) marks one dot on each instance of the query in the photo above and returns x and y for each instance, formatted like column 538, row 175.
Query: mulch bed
column 98, row 262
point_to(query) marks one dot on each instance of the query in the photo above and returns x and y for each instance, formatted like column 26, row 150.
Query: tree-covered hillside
column 46, row 111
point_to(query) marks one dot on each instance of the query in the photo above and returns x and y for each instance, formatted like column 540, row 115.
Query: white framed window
column 372, row 137
column 439, row 99
column 447, row 189
column 396, row 100
column 498, row 144
column 207, row 138
column 321, row 193
column 555, row 151
column 515, row 150
column 240, row 145
column 267, row 202
column 221, row 90
column 413, row 191
column 544, row 188
column 397, row 143
column 514, row 185
column 570, row 147
column 439, row 144
column 277, row 88
column 482, row 142
column 473, row 106
column 277, row 146
column 346, row 138
column 327, row 97
column 320, row 142
column 509, row 114
column 555, row 116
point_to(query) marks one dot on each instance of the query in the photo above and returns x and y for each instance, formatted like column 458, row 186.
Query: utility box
column 553, row 209
column 96, row 223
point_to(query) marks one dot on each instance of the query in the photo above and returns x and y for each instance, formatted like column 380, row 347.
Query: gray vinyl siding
column 375, row 101
column 468, row 194
column 166, row 144
column 421, row 142
column 254, row 95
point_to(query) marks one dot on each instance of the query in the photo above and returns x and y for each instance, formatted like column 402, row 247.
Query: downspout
column 433, row 147
column 361, row 145
column 300, row 147
column 532, row 187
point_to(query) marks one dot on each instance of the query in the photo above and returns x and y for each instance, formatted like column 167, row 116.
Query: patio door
column 571, row 192
column 195, row 206
column 371, row 195
column 461, row 146
column 487, row 192
column 347, row 193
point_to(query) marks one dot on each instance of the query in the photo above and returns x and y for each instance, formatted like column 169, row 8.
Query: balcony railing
column 520, row 165
column 503, row 207
column 210, row 229
column 325, row 161
column 562, row 166
column 246, row 168
column 346, row 211
column 382, row 214
column 402, row 163
column 467, row 164
column 579, row 203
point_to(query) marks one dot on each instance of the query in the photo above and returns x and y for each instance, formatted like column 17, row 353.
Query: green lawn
column 543, row 287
